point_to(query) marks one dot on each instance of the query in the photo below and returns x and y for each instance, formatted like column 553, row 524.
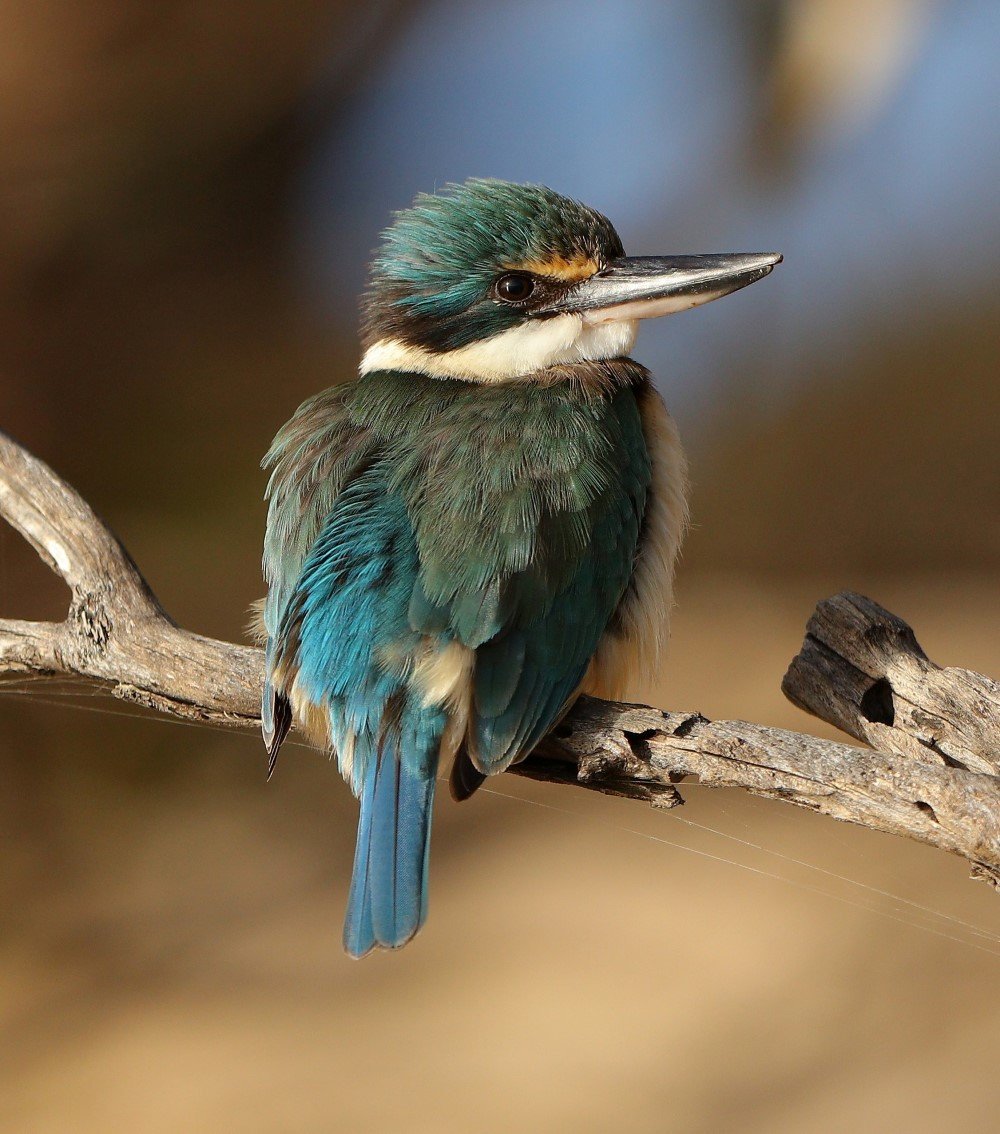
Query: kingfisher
column 483, row 523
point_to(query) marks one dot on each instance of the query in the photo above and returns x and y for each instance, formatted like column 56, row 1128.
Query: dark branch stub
column 861, row 669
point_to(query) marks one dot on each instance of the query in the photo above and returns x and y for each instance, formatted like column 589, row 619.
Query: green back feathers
column 502, row 485
column 431, row 276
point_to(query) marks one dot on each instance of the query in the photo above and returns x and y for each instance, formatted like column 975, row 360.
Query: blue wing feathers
column 523, row 682
column 347, row 632
column 523, row 561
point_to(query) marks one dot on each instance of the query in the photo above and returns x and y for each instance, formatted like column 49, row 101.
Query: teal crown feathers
column 431, row 275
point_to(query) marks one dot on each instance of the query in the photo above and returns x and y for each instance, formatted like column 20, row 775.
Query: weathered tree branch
column 934, row 732
column 860, row 668
column 116, row 632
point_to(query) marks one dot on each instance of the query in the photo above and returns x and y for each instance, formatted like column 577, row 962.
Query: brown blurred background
column 188, row 192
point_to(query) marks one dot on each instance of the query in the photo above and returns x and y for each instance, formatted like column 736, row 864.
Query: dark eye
column 514, row 287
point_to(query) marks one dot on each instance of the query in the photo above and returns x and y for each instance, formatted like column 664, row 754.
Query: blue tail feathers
column 388, row 899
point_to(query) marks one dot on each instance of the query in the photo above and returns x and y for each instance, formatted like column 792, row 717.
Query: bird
column 480, row 525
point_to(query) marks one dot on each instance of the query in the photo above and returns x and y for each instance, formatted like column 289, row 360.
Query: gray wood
column 861, row 668
column 117, row 635
column 116, row 632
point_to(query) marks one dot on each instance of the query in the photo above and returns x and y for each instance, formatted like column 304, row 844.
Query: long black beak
column 641, row 287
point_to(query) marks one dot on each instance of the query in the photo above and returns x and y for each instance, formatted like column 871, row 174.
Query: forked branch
column 930, row 773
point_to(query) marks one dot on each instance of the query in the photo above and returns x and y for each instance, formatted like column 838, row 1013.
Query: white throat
column 511, row 354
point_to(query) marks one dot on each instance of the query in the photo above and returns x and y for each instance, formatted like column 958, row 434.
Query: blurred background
column 188, row 195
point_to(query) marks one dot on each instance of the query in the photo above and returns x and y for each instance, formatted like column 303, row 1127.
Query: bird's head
column 491, row 281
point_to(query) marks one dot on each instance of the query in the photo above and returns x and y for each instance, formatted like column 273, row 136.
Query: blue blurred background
column 863, row 146
column 189, row 193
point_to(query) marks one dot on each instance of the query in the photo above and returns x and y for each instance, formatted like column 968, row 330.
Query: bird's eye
column 514, row 287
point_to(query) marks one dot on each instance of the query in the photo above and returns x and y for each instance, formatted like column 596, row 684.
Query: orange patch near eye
column 575, row 268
